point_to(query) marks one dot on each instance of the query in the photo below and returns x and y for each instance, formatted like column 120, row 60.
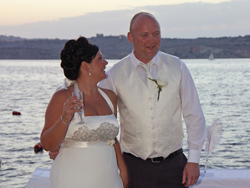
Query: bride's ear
column 85, row 66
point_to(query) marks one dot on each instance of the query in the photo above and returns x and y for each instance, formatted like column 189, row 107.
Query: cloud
column 206, row 20
column 188, row 20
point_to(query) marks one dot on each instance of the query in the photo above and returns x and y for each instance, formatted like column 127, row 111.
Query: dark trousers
column 165, row 174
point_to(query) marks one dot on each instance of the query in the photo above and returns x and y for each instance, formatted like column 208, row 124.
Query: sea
column 27, row 85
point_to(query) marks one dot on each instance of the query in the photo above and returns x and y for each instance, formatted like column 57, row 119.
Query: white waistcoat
column 149, row 125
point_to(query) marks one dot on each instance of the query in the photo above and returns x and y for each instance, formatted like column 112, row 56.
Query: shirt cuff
column 194, row 156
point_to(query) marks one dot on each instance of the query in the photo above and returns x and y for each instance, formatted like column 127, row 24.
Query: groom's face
column 145, row 37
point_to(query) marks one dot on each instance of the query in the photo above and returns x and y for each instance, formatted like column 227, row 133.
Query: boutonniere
column 160, row 84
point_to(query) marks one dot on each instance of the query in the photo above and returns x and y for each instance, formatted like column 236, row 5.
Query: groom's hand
column 54, row 153
column 191, row 174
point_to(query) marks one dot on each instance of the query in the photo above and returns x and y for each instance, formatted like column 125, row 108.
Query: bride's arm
column 58, row 114
column 121, row 164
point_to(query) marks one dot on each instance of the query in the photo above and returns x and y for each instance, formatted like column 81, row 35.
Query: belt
column 160, row 159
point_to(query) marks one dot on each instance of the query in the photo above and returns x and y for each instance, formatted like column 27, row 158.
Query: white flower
column 160, row 84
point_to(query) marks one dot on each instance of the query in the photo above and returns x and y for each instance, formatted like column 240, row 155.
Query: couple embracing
column 153, row 91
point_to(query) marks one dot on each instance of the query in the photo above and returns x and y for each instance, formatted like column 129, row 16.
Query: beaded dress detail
column 105, row 133
column 87, row 157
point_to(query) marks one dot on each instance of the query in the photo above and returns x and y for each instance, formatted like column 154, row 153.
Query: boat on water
column 211, row 56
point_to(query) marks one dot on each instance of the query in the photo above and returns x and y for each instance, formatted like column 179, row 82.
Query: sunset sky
column 26, row 18
column 24, row 11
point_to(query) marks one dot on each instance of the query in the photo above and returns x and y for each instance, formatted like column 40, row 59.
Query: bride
column 90, row 154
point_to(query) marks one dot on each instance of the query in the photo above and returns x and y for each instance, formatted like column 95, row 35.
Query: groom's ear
column 130, row 37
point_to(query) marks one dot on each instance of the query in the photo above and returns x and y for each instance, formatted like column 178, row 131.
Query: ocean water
column 27, row 85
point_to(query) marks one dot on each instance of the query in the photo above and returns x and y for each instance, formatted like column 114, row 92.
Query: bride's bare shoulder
column 62, row 94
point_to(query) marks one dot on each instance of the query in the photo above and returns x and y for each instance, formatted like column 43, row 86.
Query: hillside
column 116, row 47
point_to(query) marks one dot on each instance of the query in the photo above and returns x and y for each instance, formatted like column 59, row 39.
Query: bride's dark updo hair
column 74, row 53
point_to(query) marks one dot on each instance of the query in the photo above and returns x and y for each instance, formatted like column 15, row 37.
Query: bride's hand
column 70, row 107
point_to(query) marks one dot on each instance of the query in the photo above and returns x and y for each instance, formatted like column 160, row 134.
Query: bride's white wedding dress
column 87, row 158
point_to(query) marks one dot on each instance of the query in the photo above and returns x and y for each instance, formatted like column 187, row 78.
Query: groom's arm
column 121, row 164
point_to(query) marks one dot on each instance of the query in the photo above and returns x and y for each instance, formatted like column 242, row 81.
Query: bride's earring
column 89, row 73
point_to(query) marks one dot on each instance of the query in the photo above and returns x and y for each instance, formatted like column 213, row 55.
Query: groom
column 151, row 114
column 151, row 111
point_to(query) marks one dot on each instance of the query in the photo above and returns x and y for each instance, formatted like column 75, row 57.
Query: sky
column 66, row 19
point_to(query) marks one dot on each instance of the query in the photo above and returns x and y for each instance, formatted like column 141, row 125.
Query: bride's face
column 98, row 66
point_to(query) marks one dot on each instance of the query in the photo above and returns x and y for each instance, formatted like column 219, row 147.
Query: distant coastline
column 116, row 47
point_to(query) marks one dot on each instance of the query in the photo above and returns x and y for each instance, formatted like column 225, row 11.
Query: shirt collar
column 137, row 62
